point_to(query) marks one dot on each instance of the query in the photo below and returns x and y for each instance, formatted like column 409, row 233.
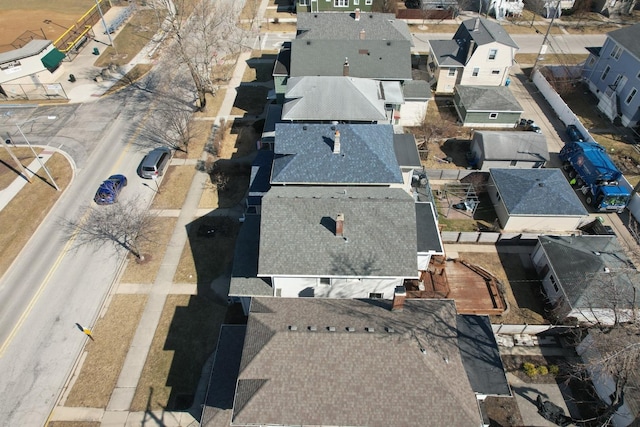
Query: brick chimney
column 363, row 34
column 399, row 296
column 336, row 143
column 357, row 14
column 340, row 225
column 345, row 67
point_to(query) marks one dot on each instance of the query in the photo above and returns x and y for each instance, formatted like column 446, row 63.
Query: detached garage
column 529, row 200
column 509, row 149
column 486, row 106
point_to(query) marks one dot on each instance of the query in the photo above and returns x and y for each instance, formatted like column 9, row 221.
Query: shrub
column 543, row 370
column 554, row 370
column 530, row 369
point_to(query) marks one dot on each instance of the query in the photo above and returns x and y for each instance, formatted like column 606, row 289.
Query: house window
column 340, row 3
column 493, row 116
column 493, row 53
column 615, row 83
column 368, row 2
column 553, row 282
column 325, row 281
column 495, row 71
column 514, row 162
column 615, row 53
column 452, row 72
column 605, row 73
column 303, row 2
column 592, row 61
column 375, row 295
column 476, row 70
column 631, row 95
column 356, row 2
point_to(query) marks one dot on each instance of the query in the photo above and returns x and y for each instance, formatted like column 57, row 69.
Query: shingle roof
column 369, row 377
column 448, row 53
column 543, row 192
column 343, row 26
column 531, row 146
column 416, row 90
column 32, row 48
column 427, row 228
column 244, row 280
column 404, row 145
column 487, row 32
column 488, row 98
column 575, row 259
column 305, row 154
column 334, row 98
column 628, row 38
column 480, row 356
column 260, row 173
column 375, row 59
column 298, row 238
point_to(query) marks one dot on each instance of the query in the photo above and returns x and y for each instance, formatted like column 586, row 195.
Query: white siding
column 505, row 164
column 31, row 70
column 423, row 261
column 480, row 59
column 293, row 287
column 412, row 113
column 446, row 83
column 541, row 223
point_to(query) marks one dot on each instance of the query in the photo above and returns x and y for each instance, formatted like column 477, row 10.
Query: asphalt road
column 528, row 43
column 54, row 284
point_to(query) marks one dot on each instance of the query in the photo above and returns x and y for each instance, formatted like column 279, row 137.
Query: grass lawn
column 214, row 102
column 185, row 337
column 154, row 253
column 278, row 27
column 551, row 58
column 101, row 368
column 39, row 197
column 142, row 26
column 174, row 187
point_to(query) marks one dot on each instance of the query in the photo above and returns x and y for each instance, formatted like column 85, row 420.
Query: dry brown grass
column 250, row 9
column 258, row 71
column 209, row 199
column 105, row 356
column 429, row 27
column 74, row 424
column 154, row 252
column 551, row 58
column 250, row 100
column 174, row 188
column 213, row 104
column 202, row 130
column 132, row 38
column 39, row 196
column 185, row 337
column 135, row 74
column 9, row 171
column 280, row 27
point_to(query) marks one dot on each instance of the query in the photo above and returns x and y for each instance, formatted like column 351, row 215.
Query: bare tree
column 170, row 126
column 204, row 36
column 124, row 224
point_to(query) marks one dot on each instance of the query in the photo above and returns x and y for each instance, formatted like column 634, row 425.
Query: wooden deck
column 474, row 290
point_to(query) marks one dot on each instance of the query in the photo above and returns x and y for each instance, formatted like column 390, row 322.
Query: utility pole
column 543, row 47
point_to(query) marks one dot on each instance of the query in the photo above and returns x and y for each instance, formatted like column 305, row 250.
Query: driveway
column 526, row 395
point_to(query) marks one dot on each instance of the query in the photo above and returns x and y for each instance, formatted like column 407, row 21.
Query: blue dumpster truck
column 592, row 171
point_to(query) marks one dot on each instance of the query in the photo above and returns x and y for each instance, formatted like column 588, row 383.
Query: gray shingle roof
column 628, row 38
column 343, row 26
column 543, row 192
column 244, row 280
column 304, row 154
column 488, row 98
column 575, row 259
column 531, row 146
column 480, row 356
column 375, row 59
column 334, row 98
column 362, row 378
column 448, row 53
column 32, row 48
column 427, row 228
column 404, row 145
column 487, row 32
column 298, row 232
column 416, row 90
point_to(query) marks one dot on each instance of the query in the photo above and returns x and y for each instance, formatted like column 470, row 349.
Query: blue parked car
column 110, row 189
column 574, row 134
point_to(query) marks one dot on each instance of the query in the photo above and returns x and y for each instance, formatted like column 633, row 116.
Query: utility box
column 96, row 51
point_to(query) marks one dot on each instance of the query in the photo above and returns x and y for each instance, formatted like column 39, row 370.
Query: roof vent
column 331, row 328
column 308, row 42
column 596, row 253
column 606, row 270
column 370, row 329
column 390, row 329
column 388, row 43
column 313, row 328
column 304, row 127
column 351, row 329
column 293, row 328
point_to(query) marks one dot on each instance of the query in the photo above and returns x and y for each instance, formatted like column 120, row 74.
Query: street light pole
column 34, row 151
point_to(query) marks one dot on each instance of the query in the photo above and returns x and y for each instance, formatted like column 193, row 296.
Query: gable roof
column 449, row 53
column 304, row 154
column 487, row 99
column 531, row 146
column 480, row 356
column 416, row 90
column 334, row 98
column 575, row 260
column 375, row 59
column 297, row 236
column 483, row 31
column 627, row 37
column 541, row 192
column 344, row 26
column 406, row 149
column 359, row 378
